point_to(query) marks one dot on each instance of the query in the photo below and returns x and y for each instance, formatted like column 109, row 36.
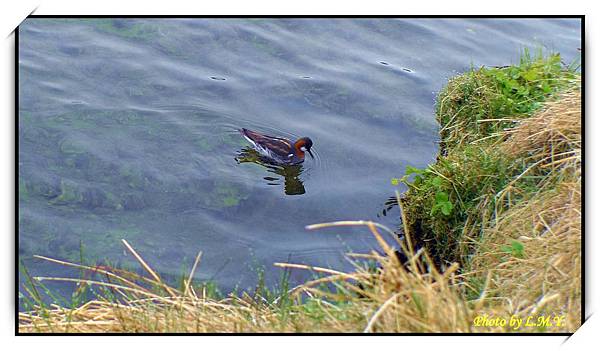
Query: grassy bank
column 492, row 230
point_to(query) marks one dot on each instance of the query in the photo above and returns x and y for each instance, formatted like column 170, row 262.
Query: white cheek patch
column 303, row 149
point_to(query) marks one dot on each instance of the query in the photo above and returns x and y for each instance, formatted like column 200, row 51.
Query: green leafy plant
column 523, row 86
column 428, row 178
column 418, row 176
column 516, row 249
column 442, row 204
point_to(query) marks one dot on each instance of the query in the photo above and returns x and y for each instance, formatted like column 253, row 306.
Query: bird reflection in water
column 290, row 173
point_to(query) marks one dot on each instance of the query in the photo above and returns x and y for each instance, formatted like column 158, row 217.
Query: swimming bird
column 279, row 150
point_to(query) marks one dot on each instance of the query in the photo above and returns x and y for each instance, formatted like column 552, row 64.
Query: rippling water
column 128, row 130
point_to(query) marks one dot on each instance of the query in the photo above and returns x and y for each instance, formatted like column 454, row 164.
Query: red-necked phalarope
column 279, row 150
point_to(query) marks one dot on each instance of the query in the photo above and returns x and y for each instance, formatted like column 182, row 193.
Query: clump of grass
column 474, row 105
column 547, row 225
column 516, row 218
column 144, row 303
column 395, row 297
column 552, row 136
column 466, row 182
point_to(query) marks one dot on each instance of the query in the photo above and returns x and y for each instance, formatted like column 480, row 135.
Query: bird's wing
column 279, row 145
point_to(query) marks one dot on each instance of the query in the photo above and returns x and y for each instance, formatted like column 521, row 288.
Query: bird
column 279, row 150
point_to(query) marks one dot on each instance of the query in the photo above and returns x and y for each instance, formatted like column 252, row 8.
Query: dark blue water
column 127, row 130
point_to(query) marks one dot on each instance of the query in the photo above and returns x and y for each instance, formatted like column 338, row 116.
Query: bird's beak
column 310, row 153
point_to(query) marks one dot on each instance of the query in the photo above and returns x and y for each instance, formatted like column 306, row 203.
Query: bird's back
column 279, row 149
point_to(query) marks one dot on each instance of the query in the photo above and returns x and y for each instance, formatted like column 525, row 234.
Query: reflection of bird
column 291, row 173
column 279, row 150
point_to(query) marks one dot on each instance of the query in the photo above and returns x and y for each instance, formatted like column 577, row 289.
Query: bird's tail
column 244, row 133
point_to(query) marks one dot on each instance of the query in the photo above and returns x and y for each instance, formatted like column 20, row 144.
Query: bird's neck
column 297, row 150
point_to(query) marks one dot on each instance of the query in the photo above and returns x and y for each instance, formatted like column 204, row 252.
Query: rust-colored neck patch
column 297, row 145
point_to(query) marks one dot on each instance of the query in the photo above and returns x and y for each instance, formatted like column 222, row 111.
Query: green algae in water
column 25, row 118
column 213, row 142
column 225, row 195
column 127, row 28
column 133, row 177
column 155, row 33
column 77, row 120
column 229, row 201
column 71, row 147
column 114, row 236
column 68, row 194
column 228, row 194
column 265, row 46
column 234, row 140
column 114, row 201
column 204, row 144
column 23, row 192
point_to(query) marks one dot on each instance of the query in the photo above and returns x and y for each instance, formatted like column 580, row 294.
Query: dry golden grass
column 552, row 134
column 412, row 297
column 547, row 278
column 393, row 298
